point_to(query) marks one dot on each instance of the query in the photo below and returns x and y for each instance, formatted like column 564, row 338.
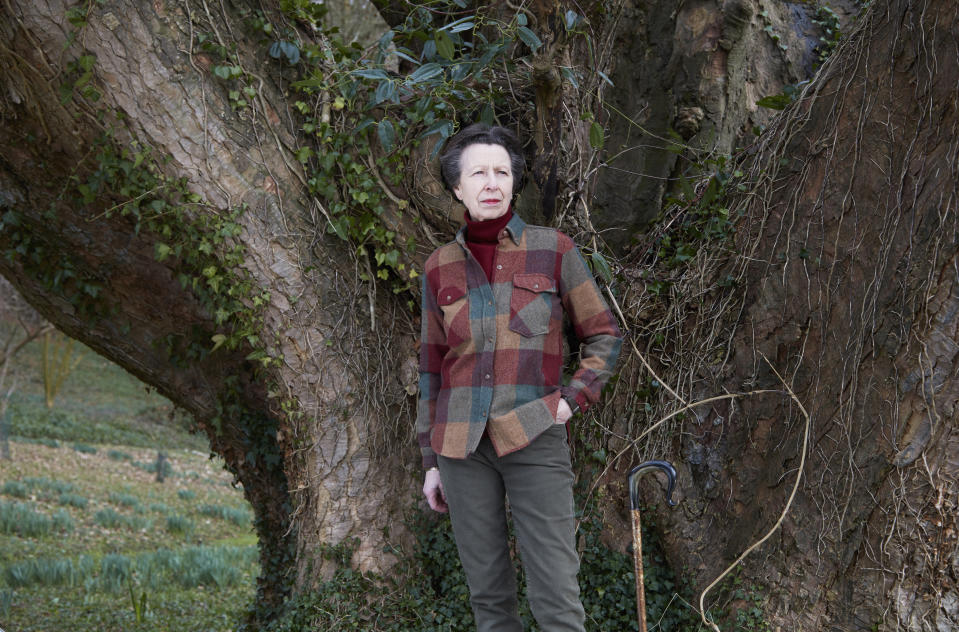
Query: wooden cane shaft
column 638, row 568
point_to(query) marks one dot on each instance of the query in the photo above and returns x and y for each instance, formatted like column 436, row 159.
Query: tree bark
column 849, row 295
column 299, row 434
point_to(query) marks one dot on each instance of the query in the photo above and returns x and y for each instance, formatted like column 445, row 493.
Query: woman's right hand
column 433, row 490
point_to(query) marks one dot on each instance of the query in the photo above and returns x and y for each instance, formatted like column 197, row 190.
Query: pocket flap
column 534, row 282
column 449, row 295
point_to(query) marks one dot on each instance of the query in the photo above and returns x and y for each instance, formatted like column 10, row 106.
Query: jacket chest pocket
column 531, row 304
column 453, row 302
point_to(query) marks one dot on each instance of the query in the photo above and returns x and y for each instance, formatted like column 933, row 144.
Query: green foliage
column 124, row 500
column 21, row 519
column 108, row 517
column 78, row 80
column 237, row 516
column 73, row 500
column 62, row 521
column 431, row 594
column 151, row 467
column 697, row 220
column 160, row 508
column 116, row 572
column 15, row 489
column 49, row 572
column 48, row 487
column 84, row 448
column 828, row 22
column 209, row 566
column 139, row 605
column 186, row 494
column 608, row 584
column 196, row 241
column 782, row 100
column 118, row 455
column 213, row 566
column 105, row 407
column 179, row 525
column 361, row 120
column 773, row 35
column 50, row 443
column 746, row 605
column 6, row 601
column 38, row 589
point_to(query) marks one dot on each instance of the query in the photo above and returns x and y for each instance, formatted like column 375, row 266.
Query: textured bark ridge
column 851, row 295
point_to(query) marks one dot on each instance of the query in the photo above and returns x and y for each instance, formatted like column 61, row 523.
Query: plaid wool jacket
column 491, row 355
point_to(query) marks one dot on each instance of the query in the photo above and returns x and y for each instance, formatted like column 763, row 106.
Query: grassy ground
column 87, row 535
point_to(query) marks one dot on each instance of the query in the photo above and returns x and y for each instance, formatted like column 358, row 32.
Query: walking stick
column 634, row 476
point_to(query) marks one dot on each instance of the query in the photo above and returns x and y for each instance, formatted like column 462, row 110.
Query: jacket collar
column 514, row 227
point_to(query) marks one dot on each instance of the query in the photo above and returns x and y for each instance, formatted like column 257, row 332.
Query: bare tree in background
column 20, row 325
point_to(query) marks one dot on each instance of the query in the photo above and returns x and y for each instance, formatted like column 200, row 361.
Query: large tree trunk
column 847, row 288
column 299, row 432
column 849, row 296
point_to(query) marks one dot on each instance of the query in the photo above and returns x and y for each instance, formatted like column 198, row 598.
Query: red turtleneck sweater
column 482, row 238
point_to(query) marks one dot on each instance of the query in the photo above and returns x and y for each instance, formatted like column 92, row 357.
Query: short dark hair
column 482, row 134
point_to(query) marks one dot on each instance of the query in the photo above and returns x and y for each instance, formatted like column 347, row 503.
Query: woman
column 492, row 409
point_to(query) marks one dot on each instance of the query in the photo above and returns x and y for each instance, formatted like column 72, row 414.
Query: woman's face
column 486, row 181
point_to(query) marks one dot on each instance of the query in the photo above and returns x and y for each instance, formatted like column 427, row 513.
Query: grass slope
column 87, row 535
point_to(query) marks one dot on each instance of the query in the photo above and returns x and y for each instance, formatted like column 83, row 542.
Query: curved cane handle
column 643, row 468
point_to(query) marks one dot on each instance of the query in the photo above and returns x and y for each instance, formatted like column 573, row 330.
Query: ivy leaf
column 218, row 340
column 596, row 136
column 260, row 355
column 223, row 72
column 387, row 134
column 570, row 76
column 443, row 127
column 461, row 25
column 386, row 91
column 775, row 102
column 529, row 38
column 425, row 73
column 403, row 55
column 291, row 51
column 371, row 73
column 602, row 267
column 486, row 115
column 161, row 251
column 303, row 154
column 363, row 125
column 444, row 44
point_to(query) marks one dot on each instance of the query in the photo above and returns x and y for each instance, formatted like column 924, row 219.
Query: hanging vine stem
column 785, row 511
column 689, row 406
column 641, row 357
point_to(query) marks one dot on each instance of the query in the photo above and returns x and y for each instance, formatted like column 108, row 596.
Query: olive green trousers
column 538, row 482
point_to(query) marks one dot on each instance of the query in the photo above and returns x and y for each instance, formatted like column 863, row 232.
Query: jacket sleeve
column 433, row 349
column 595, row 327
